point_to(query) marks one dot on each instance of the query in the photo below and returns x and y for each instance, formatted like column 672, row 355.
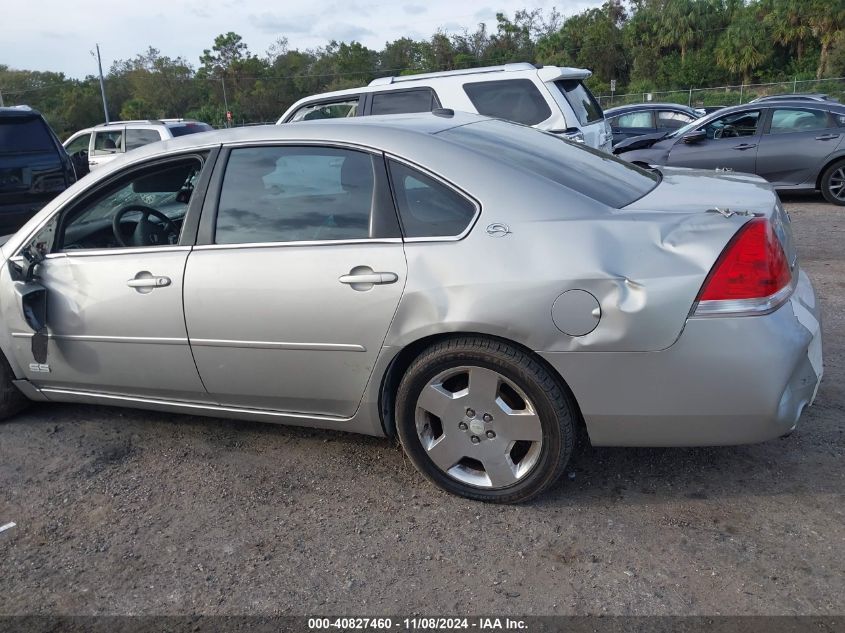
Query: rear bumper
column 727, row 380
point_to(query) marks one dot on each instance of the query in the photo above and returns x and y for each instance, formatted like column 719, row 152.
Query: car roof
column 648, row 106
column 780, row 103
column 799, row 96
column 20, row 111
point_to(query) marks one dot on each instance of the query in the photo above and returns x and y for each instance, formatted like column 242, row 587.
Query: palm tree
column 742, row 47
column 678, row 25
column 827, row 19
column 788, row 23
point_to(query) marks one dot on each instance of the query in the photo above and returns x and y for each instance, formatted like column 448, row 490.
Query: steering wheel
column 729, row 131
column 146, row 233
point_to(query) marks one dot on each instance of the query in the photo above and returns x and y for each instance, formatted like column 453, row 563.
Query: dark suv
column 34, row 166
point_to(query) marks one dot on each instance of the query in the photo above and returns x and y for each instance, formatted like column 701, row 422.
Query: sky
column 58, row 35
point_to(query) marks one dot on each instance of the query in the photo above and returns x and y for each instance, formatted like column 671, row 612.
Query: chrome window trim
column 435, row 176
column 217, row 247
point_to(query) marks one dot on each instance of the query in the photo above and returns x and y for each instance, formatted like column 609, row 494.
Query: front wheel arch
column 402, row 361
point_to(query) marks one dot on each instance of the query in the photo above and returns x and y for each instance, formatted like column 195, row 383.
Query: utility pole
column 225, row 100
column 1, row 99
column 102, row 85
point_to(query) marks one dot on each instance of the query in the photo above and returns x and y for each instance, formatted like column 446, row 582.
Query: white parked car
column 550, row 98
column 98, row 145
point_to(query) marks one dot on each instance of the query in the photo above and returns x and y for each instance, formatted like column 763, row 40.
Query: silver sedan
column 477, row 288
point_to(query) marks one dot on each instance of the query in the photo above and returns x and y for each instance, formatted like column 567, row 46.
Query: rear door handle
column 744, row 146
column 827, row 137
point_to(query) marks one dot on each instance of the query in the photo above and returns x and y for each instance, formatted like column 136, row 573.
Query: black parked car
column 795, row 145
column 34, row 166
column 648, row 118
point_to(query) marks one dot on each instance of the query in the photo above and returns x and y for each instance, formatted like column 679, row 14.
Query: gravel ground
column 132, row 512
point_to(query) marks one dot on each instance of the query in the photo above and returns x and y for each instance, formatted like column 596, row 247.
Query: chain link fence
column 727, row 95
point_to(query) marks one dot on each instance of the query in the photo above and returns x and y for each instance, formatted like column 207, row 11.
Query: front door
column 114, row 277
column 289, row 302
column 731, row 144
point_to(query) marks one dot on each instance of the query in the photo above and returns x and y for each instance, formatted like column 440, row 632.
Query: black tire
column 826, row 183
column 12, row 400
column 553, row 404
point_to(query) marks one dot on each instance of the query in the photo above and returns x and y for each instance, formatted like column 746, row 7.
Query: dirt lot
column 130, row 512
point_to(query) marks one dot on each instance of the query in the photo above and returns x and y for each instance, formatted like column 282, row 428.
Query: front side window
column 404, row 101
column 734, row 125
column 333, row 110
column 136, row 138
column 788, row 120
column 146, row 208
column 510, row 99
column 673, row 120
column 108, row 141
column 581, row 100
column 428, row 208
column 293, row 194
column 79, row 144
column 635, row 120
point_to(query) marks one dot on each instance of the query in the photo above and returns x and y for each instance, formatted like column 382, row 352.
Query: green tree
column 742, row 47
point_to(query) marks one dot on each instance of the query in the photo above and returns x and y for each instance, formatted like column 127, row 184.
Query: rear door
column 796, row 143
column 296, row 278
column 731, row 143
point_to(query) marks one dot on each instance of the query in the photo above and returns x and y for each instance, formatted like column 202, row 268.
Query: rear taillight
column 751, row 276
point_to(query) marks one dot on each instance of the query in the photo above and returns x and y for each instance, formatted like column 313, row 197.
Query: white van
column 550, row 98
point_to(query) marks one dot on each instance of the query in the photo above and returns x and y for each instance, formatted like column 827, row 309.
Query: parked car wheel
column 833, row 183
column 482, row 419
column 11, row 399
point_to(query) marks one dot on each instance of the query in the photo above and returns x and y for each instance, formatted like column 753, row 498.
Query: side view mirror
column 695, row 137
column 80, row 162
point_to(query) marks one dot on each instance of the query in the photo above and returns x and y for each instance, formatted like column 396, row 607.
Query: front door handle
column 744, row 146
column 145, row 282
column 364, row 278
column 827, row 137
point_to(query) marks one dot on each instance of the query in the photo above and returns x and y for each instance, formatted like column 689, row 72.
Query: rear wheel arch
column 410, row 352
column 830, row 162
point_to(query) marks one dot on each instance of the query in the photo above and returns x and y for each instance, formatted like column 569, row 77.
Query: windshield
column 582, row 101
column 181, row 129
column 597, row 175
column 24, row 135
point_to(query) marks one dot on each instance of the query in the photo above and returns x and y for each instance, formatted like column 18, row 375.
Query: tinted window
column 335, row 110
column 24, row 134
column 581, row 100
column 595, row 174
column 139, row 138
column 634, row 119
column 290, row 194
column 734, row 125
column 511, row 99
column 404, row 101
column 165, row 188
column 181, row 129
column 785, row 121
column 428, row 208
column 79, row 144
column 107, row 141
column 673, row 120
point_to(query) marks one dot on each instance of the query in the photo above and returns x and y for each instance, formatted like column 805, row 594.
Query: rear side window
column 24, row 135
column 597, row 175
column 139, row 137
column 673, row 120
column 293, row 194
column 335, row 110
column 785, row 121
column 511, row 99
column 428, row 208
column 581, row 100
column 404, row 101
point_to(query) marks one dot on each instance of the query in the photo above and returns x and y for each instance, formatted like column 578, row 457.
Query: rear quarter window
column 404, row 101
column 516, row 100
column 597, row 175
column 182, row 129
column 581, row 100
column 24, row 135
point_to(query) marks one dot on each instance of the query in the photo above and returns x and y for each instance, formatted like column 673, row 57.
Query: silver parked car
column 475, row 287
